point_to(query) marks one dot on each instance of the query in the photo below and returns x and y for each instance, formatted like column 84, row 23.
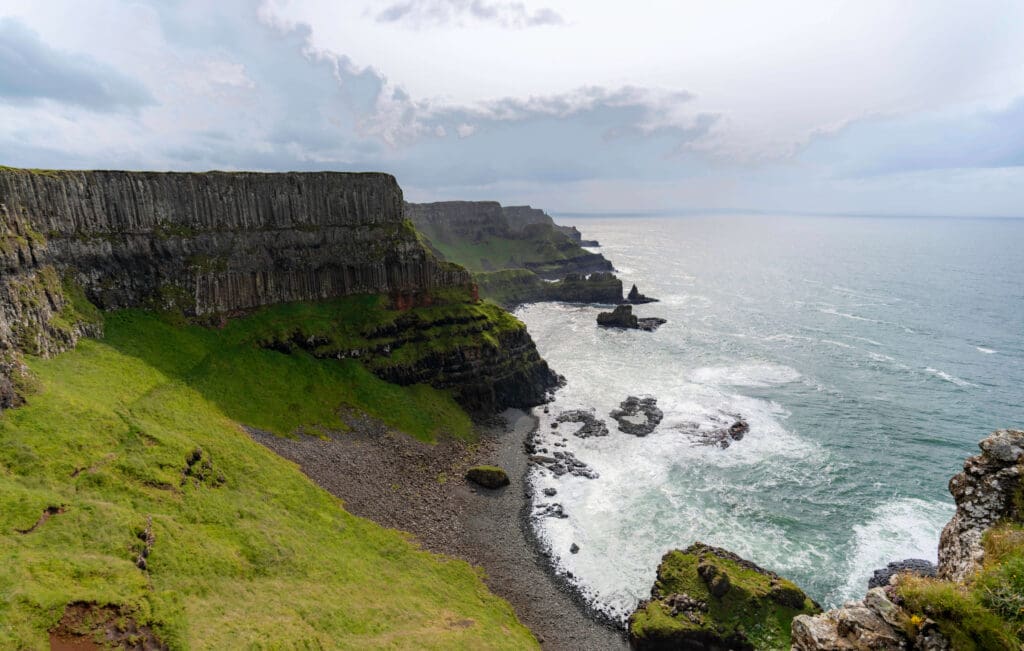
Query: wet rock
column 574, row 548
column 592, row 425
column 985, row 492
column 632, row 407
column 721, row 434
column 564, row 462
column 706, row 598
column 551, row 511
column 550, row 492
column 488, row 476
column 915, row 566
column 636, row 298
column 622, row 317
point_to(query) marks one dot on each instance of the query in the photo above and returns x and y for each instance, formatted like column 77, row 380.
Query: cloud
column 422, row 13
column 31, row 70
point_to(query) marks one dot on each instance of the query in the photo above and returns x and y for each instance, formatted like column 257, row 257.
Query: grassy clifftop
column 126, row 480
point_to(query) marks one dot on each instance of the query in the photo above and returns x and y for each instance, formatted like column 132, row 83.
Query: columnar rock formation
column 219, row 242
column 216, row 244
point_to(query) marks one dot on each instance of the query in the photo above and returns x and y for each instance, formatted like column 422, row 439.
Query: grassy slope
column 541, row 245
column 988, row 612
column 266, row 559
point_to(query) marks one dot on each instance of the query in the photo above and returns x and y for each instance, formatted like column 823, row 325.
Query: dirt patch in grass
column 88, row 626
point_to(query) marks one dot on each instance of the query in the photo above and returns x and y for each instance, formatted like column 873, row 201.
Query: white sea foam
column 960, row 382
column 900, row 529
column 745, row 375
column 854, row 317
column 987, row 351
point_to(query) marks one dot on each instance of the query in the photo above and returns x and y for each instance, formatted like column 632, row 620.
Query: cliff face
column 989, row 490
column 484, row 236
column 220, row 243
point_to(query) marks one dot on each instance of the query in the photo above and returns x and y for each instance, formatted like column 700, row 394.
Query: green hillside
column 246, row 551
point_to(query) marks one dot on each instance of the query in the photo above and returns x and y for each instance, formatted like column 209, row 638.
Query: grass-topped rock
column 488, row 476
column 710, row 598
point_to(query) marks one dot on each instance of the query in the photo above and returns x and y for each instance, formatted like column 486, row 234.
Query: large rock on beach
column 488, row 476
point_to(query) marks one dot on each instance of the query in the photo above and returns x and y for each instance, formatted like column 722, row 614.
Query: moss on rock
column 488, row 476
column 709, row 598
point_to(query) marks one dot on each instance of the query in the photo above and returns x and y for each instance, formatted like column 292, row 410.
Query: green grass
column 265, row 560
column 750, row 607
column 536, row 247
column 987, row 612
column 275, row 391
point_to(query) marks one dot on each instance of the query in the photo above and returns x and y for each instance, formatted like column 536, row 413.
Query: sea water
column 868, row 355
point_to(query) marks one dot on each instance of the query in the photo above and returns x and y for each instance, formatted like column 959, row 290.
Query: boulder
column 709, row 598
column 488, row 476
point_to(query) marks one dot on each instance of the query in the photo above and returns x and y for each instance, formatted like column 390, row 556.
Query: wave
column 900, row 529
column 987, row 351
column 745, row 375
column 854, row 317
column 960, row 382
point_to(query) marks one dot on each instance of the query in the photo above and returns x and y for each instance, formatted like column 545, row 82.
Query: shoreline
column 401, row 483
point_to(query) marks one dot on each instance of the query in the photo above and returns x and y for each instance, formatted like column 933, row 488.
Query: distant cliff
column 484, row 236
column 205, row 245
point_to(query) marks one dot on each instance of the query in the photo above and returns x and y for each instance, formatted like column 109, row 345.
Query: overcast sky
column 882, row 107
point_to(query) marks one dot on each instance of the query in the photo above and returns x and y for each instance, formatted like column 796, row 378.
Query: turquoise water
column 869, row 356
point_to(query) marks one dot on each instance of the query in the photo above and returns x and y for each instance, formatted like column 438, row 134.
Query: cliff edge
column 217, row 244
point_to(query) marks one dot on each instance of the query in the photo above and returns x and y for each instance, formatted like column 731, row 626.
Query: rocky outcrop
column 922, row 615
column 874, row 623
column 916, row 566
column 223, row 243
column 591, row 425
column 988, row 490
column 623, row 317
column 519, row 217
column 633, row 408
column 636, row 298
column 513, row 287
column 709, row 598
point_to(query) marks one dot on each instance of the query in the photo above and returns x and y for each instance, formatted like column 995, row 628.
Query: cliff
column 977, row 602
column 511, row 287
column 484, row 236
column 215, row 244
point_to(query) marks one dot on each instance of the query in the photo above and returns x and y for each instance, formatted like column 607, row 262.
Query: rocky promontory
column 976, row 601
column 709, row 598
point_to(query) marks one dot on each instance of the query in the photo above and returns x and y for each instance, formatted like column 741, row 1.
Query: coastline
column 419, row 488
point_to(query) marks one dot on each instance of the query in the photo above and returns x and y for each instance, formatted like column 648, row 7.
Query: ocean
column 868, row 355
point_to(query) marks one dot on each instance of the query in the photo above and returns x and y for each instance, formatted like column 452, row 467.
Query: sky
column 913, row 107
